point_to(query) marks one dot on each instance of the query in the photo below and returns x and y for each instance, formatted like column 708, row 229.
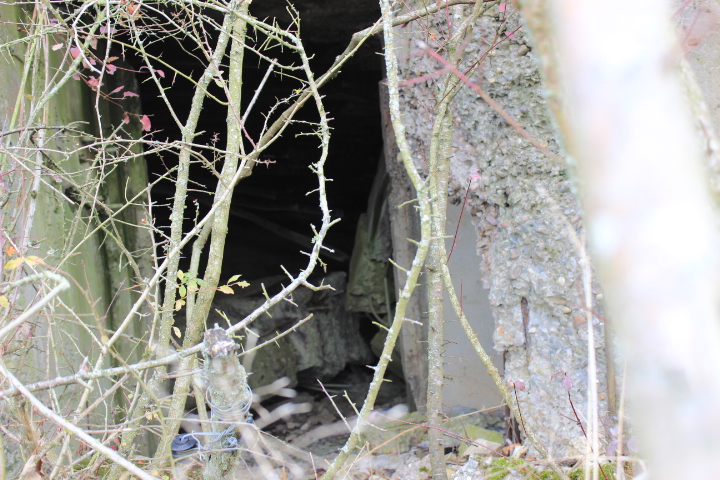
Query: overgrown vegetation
column 92, row 285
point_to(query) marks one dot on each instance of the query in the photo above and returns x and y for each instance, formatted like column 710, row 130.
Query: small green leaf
column 182, row 291
column 180, row 275
column 4, row 301
column 200, row 282
column 234, row 278
column 243, row 284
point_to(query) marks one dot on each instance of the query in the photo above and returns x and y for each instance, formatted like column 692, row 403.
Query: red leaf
column 502, row 7
column 157, row 70
column 126, row 118
column 145, row 123
column 74, row 52
column 94, row 83
column 510, row 34
column 568, row 382
column 117, row 89
column 57, row 46
column 128, row 93
column 110, row 68
column 519, row 385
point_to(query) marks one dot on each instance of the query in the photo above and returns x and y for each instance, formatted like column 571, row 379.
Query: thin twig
column 495, row 106
column 78, row 432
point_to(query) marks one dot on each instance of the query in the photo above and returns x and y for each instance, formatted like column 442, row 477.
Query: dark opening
column 271, row 212
column 271, row 208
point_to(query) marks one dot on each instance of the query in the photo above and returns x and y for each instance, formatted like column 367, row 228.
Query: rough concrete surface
column 525, row 215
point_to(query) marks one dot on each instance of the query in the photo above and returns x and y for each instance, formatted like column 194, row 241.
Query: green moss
column 608, row 469
column 499, row 468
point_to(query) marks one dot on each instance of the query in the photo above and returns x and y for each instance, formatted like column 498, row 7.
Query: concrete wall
column 468, row 385
column 39, row 201
column 520, row 203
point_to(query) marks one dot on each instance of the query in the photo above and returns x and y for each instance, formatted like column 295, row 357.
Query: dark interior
column 272, row 214
column 271, row 207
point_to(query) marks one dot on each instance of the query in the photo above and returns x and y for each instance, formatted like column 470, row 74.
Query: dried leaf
column 177, row 332
column 507, row 451
column 10, row 251
column 179, row 304
column 226, row 289
column 32, row 469
column 132, row 10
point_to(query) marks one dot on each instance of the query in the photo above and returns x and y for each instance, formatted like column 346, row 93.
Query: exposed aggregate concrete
column 526, row 215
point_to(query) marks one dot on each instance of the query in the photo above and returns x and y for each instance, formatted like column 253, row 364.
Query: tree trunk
column 640, row 166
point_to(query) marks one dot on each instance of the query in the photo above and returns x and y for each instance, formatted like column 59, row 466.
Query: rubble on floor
column 394, row 447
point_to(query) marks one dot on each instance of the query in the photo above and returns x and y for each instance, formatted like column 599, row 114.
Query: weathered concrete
column 467, row 385
column 524, row 213
column 322, row 346
column 58, row 341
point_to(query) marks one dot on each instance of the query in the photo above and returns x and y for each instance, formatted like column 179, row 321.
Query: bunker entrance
column 272, row 213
